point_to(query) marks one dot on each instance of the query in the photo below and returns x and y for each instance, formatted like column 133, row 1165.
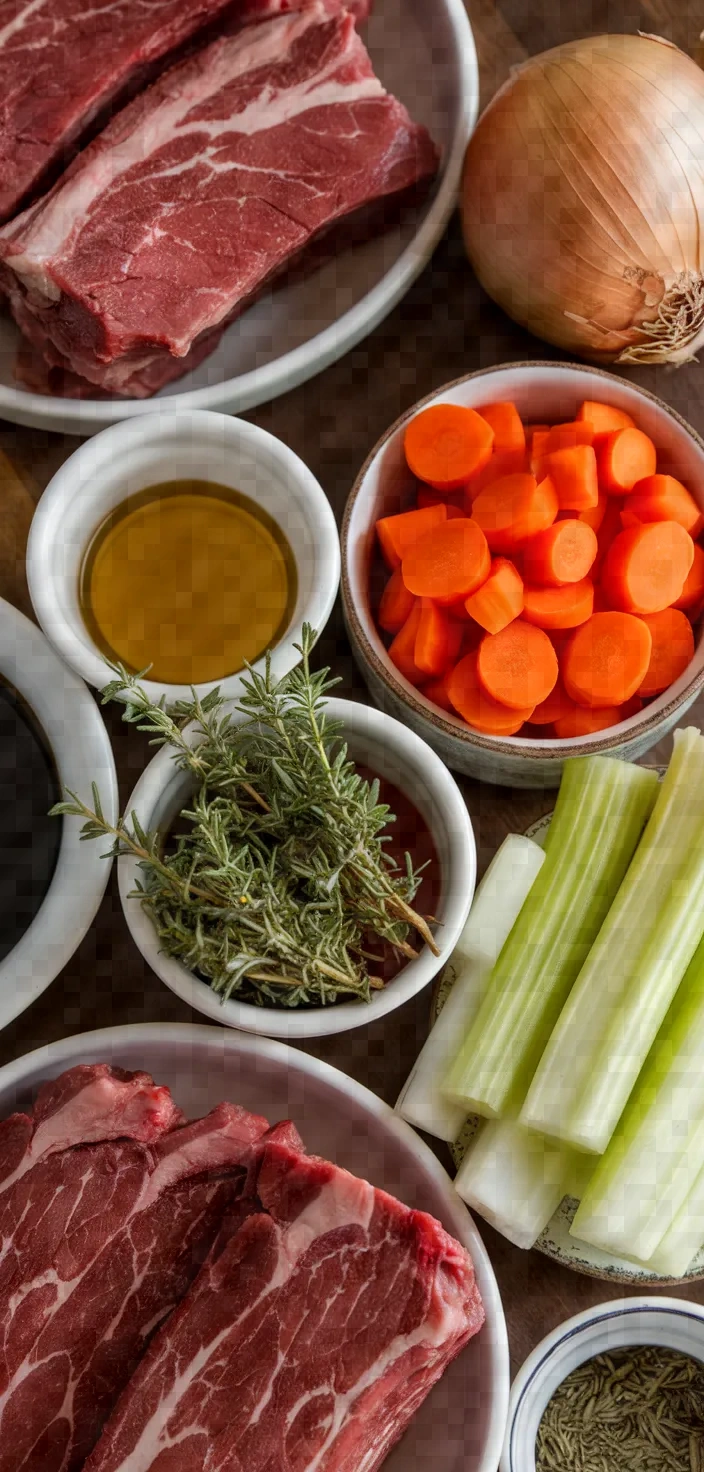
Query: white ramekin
column 673, row 1323
column 81, row 748
column 160, row 447
column 543, row 393
column 393, row 752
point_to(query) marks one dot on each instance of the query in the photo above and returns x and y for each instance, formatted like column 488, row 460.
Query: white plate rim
column 81, row 749
column 73, row 1049
column 260, row 385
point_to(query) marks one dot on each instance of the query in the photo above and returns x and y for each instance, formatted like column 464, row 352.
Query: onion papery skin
column 583, row 199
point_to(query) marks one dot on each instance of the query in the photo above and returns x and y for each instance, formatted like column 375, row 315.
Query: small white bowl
column 150, row 451
column 392, row 752
column 81, row 748
column 543, row 393
column 673, row 1323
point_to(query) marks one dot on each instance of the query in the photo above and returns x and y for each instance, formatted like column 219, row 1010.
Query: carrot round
column 555, row 705
column 513, row 508
column 539, row 439
column 500, row 464
column 582, row 722
column 437, row 692
column 449, row 563
column 500, row 598
column 673, row 648
column 517, row 667
column 566, row 436
column 559, row 608
column 438, row 639
column 471, row 701
column 507, row 425
column 693, row 588
column 625, row 457
column 397, row 533
column 563, row 553
column 646, row 566
column 573, row 473
column 396, row 604
column 445, row 444
column 402, row 650
column 664, row 498
column 606, row 659
column 603, row 418
column 608, row 530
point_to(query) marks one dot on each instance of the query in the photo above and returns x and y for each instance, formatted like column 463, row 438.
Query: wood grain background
column 444, row 327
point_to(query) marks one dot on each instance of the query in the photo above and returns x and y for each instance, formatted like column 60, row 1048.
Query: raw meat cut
column 63, row 63
column 308, row 1340
column 209, row 185
column 97, row 1244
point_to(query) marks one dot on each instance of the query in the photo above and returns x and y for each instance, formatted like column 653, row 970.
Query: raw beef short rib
column 308, row 1340
column 98, row 1242
column 208, row 186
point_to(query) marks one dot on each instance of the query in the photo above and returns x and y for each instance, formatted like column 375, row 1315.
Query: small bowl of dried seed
column 618, row 1388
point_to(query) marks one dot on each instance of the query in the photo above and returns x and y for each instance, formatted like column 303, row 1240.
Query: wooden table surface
column 444, row 328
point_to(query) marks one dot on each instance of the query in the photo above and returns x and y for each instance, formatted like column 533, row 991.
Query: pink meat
column 98, row 1242
column 308, row 1340
column 205, row 189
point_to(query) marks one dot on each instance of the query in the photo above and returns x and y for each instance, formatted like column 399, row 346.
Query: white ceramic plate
column 460, row 1427
column 424, row 53
column 74, row 729
column 555, row 1241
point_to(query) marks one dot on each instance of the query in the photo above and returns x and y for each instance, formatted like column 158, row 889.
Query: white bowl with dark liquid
column 148, row 452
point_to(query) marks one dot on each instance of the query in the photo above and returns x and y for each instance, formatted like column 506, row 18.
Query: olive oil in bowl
column 189, row 578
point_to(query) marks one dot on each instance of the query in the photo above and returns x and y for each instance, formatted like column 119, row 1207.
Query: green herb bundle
column 281, row 886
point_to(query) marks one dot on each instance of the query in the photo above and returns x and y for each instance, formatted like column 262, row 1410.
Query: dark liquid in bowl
column 29, row 838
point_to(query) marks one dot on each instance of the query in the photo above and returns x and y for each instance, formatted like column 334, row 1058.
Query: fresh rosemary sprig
column 281, row 880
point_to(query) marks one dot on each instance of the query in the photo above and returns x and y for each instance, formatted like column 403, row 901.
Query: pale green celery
column 515, row 1179
column 497, row 903
column 599, row 815
column 657, row 1149
column 613, row 1014
column 682, row 1242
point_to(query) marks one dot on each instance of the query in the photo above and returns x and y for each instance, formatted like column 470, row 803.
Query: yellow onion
column 583, row 199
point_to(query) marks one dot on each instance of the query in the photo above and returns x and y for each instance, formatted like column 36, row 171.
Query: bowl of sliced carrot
column 523, row 570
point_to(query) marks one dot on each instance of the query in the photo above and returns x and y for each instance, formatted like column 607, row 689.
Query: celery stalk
column 657, row 1150
column 682, row 1242
column 613, row 1014
column 497, row 903
column 515, row 1179
column 601, row 808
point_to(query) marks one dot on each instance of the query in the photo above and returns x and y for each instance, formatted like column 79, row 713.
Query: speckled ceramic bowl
column 543, row 392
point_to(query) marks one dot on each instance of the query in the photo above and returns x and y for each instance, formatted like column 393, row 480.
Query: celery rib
column 515, row 1179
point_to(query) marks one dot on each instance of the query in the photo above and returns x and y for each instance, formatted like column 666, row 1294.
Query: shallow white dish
column 425, row 55
column 392, row 752
column 81, row 748
column 671, row 1323
column 543, row 392
column 461, row 1426
column 160, row 447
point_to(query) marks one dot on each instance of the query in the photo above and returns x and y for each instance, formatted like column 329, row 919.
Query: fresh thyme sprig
column 281, row 877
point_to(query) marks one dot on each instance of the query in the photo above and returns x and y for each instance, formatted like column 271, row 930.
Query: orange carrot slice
column 646, row 566
column 608, row 531
column 604, row 418
column 556, row 704
column 437, row 691
column 445, row 444
column 500, row 598
column 574, row 475
column 449, row 563
column 563, row 553
column 517, row 667
column 663, row 498
column 402, row 650
column 514, row 508
column 507, row 425
column 673, row 648
column 693, row 588
column 625, row 457
column 500, row 464
column 538, row 442
column 396, row 604
column 559, row 608
column 582, row 722
column 397, row 533
column 566, row 436
column 471, row 701
column 438, row 639
column 593, row 516
column 606, row 659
